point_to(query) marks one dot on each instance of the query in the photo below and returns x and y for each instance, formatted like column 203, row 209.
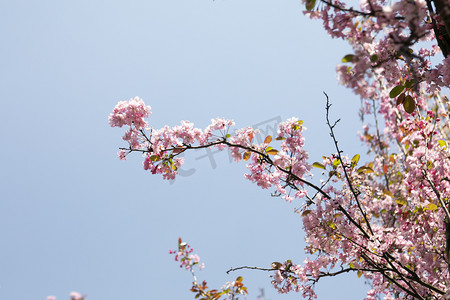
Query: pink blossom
column 76, row 296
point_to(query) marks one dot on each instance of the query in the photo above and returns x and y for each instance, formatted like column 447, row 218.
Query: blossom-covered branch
column 230, row 291
column 386, row 219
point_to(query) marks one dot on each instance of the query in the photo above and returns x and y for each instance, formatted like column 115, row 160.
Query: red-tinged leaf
column 305, row 213
column 400, row 99
column 177, row 150
column 246, row 155
column 385, row 168
column 239, row 279
column 268, row 139
column 359, row 273
column 272, row 151
column 250, row 136
column 275, row 265
column 280, row 138
column 409, row 104
column 392, row 158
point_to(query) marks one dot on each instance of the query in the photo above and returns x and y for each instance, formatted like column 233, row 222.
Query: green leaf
column 318, row 165
column 331, row 225
column 388, row 193
column 154, row 158
column 348, row 58
column 228, row 136
column 352, row 266
column 374, row 58
column 336, row 162
column 365, row 169
column 310, row 4
column 298, row 125
column 401, row 202
column 355, row 159
column 359, row 273
column 431, row 206
column 443, row 144
column 409, row 83
column 409, row 104
column 396, row 91
column 239, row 279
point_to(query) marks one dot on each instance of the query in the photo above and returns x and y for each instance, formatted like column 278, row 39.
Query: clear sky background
column 74, row 217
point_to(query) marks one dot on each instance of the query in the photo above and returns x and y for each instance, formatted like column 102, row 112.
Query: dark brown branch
column 384, row 271
column 349, row 10
column 442, row 33
column 249, row 268
column 223, row 140
column 350, row 184
column 447, row 219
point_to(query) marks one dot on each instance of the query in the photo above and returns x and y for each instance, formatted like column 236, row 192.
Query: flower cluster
column 230, row 291
column 185, row 257
column 132, row 113
column 269, row 167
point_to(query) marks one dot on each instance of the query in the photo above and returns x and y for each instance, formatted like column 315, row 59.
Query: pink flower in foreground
column 133, row 111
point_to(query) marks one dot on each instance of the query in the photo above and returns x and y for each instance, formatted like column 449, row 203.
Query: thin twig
column 355, row 194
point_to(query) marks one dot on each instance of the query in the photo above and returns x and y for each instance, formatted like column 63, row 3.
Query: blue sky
column 74, row 217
